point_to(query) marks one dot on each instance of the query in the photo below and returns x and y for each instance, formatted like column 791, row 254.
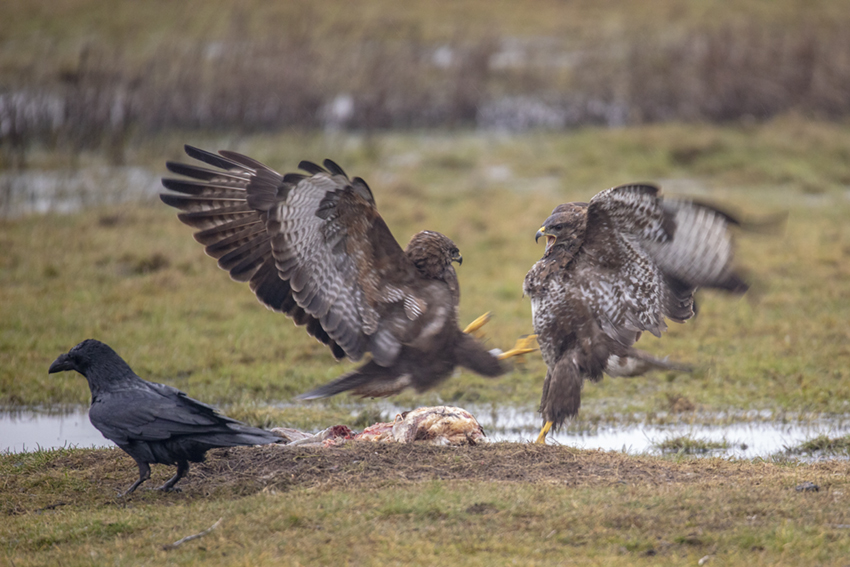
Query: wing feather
column 153, row 413
column 657, row 253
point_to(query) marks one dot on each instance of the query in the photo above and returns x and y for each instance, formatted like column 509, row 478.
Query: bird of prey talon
column 313, row 246
column 524, row 345
column 613, row 268
column 541, row 438
column 478, row 323
column 153, row 423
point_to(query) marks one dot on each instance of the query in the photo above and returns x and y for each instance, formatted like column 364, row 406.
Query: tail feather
column 561, row 397
column 471, row 354
column 368, row 381
column 249, row 436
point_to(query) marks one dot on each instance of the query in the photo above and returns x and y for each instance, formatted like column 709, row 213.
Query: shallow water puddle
column 28, row 431
column 744, row 438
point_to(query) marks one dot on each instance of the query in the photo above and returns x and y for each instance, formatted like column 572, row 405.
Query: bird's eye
column 558, row 226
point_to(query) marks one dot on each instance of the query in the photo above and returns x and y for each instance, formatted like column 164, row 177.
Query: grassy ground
column 366, row 504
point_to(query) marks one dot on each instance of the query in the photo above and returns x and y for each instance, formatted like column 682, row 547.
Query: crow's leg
column 182, row 469
column 144, row 474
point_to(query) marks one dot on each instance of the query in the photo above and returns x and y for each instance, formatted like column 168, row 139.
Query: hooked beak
column 456, row 257
column 540, row 232
column 550, row 238
column 63, row 362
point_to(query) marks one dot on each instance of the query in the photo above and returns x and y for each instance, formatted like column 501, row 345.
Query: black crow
column 153, row 423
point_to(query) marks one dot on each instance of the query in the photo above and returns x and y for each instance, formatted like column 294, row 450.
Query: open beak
column 540, row 232
column 550, row 239
column 457, row 258
column 63, row 362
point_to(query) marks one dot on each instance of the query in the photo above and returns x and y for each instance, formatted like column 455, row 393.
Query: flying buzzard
column 613, row 268
column 315, row 248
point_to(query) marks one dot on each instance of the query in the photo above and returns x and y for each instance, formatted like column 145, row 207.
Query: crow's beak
column 63, row 362
column 457, row 258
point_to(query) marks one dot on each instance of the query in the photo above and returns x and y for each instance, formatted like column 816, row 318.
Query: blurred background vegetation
column 98, row 74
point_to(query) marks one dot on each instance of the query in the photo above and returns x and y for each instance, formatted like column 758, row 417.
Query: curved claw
column 524, row 345
column 541, row 439
column 478, row 323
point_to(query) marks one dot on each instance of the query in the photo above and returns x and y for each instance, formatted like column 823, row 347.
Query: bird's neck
column 110, row 374
column 561, row 254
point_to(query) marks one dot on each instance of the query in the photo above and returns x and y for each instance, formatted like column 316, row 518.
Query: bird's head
column 565, row 227
column 432, row 253
column 81, row 357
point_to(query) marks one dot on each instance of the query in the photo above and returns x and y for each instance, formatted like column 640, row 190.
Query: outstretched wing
column 644, row 256
column 312, row 246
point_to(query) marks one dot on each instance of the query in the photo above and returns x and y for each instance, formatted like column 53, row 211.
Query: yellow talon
column 541, row 439
column 478, row 323
column 524, row 345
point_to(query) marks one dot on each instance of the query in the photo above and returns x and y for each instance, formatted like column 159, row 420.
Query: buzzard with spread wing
column 315, row 248
column 613, row 268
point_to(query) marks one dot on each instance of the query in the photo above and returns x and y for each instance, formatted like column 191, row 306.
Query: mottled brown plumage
column 613, row 268
column 315, row 248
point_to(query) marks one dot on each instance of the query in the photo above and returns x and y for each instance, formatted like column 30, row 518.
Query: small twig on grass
column 191, row 537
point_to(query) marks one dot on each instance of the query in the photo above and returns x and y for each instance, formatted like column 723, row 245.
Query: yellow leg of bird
column 541, row 439
column 524, row 345
column 478, row 323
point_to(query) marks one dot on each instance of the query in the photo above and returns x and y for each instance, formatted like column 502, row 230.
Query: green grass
column 687, row 445
column 823, row 445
